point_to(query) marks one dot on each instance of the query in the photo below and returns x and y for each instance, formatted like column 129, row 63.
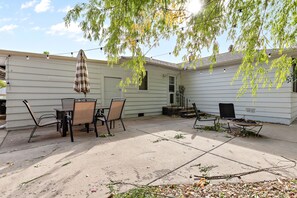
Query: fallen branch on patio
column 239, row 175
column 31, row 180
column 66, row 164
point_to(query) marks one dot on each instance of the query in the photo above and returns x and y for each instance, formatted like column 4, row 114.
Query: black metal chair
column 38, row 121
column 114, row 113
column 227, row 110
column 83, row 113
column 199, row 118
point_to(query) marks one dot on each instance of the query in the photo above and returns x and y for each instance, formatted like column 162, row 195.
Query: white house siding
column 151, row 101
column 44, row 82
column 294, row 106
column 208, row 90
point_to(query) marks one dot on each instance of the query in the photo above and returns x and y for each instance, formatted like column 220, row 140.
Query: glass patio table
column 246, row 125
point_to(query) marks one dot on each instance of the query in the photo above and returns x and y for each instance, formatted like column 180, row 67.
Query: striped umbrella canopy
column 81, row 82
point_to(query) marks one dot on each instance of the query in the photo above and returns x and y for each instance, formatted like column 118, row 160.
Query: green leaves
column 253, row 26
column 2, row 84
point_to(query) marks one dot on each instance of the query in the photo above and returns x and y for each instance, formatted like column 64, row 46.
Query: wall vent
column 140, row 114
column 251, row 110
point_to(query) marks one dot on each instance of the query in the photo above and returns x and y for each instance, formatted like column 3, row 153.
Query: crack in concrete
column 205, row 152
column 4, row 139
column 188, row 161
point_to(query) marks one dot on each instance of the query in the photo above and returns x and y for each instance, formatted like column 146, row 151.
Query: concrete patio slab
column 249, row 156
column 211, row 165
column 190, row 139
column 116, row 160
column 147, row 153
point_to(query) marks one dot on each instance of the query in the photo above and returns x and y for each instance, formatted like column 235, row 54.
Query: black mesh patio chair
column 83, row 113
column 114, row 113
column 199, row 118
column 38, row 122
column 227, row 110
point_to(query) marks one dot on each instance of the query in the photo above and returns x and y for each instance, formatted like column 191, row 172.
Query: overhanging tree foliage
column 253, row 26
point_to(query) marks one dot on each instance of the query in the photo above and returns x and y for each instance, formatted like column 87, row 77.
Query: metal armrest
column 48, row 116
column 44, row 116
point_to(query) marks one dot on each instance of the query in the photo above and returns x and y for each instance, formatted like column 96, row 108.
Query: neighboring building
column 43, row 82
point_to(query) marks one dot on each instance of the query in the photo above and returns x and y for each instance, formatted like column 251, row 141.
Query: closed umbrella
column 81, row 82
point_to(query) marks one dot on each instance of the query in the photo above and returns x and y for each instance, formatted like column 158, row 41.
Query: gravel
column 285, row 188
column 202, row 188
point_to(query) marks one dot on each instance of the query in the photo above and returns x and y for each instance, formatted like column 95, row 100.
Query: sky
column 38, row 26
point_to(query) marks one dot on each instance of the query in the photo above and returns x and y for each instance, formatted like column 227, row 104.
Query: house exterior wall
column 44, row 82
column 208, row 90
column 151, row 101
column 294, row 106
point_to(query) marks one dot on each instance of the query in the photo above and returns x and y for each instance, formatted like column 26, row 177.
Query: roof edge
column 156, row 62
column 39, row 55
column 226, row 58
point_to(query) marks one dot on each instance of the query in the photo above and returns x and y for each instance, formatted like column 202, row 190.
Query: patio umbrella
column 81, row 82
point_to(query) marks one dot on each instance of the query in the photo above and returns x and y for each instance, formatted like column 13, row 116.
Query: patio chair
column 227, row 110
column 67, row 103
column 114, row 113
column 199, row 118
column 38, row 121
column 83, row 113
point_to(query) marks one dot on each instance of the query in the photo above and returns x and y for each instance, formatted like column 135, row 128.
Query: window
column 171, row 89
column 144, row 84
column 171, row 84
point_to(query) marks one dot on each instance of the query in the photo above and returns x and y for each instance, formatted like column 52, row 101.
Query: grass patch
column 179, row 136
column 106, row 135
column 160, row 139
column 205, row 169
column 140, row 192
column 219, row 127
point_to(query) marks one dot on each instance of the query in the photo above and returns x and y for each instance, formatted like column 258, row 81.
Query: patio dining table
column 62, row 113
